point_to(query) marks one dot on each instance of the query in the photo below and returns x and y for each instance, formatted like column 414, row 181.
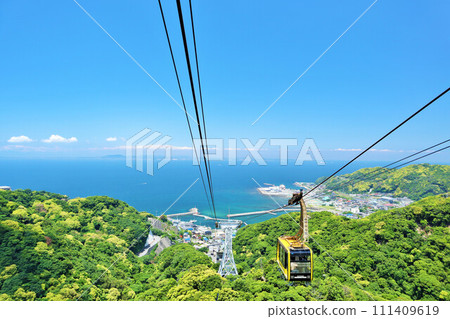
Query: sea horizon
column 235, row 187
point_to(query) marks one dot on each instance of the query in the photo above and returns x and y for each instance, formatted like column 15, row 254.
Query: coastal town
column 350, row 205
column 210, row 241
column 203, row 238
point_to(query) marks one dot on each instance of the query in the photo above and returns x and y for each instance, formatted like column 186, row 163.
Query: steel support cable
column 402, row 164
column 188, row 62
column 424, row 150
column 380, row 139
column 368, row 148
column 199, row 87
column 183, row 101
column 200, row 94
column 439, row 150
column 372, row 174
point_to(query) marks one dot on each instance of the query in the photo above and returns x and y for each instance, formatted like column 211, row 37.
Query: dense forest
column 52, row 247
column 55, row 248
column 413, row 181
column 401, row 254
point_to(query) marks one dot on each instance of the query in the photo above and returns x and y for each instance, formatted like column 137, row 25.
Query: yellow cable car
column 293, row 255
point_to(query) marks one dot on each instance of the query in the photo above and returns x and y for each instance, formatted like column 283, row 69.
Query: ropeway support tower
column 227, row 266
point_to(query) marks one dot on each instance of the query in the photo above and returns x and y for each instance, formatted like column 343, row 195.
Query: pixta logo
column 141, row 149
column 253, row 151
column 150, row 142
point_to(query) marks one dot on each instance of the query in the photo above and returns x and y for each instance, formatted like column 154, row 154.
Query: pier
column 196, row 213
column 262, row 212
column 192, row 211
column 250, row 213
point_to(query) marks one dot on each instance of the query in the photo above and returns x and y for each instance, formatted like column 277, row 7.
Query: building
column 215, row 252
column 186, row 238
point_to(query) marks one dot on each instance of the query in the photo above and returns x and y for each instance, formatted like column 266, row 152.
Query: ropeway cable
column 183, row 102
column 374, row 173
column 403, row 164
column 382, row 138
column 188, row 62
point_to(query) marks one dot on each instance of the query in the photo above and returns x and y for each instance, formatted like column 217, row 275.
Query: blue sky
column 63, row 76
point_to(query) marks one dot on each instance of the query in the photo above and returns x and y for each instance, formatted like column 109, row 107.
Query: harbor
column 205, row 236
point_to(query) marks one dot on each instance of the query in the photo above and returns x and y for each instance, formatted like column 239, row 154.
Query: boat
column 274, row 190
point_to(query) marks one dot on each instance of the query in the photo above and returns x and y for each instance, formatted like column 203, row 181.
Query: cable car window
column 286, row 258
column 281, row 255
column 301, row 263
column 300, row 267
column 278, row 250
column 302, row 258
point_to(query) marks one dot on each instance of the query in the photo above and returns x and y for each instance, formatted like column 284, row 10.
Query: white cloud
column 20, row 139
column 111, row 139
column 385, row 150
column 348, row 149
column 180, row 148
column 59, row 139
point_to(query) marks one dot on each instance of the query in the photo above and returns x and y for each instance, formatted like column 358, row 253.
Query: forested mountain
column 53, row 248
column 413, row 181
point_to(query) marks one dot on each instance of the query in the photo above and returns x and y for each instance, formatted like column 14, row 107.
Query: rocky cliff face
column 163, row 244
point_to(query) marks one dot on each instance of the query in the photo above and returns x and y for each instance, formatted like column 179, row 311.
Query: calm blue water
column 234, row 189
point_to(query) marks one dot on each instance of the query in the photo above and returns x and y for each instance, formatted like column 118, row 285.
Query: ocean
column 234, row 188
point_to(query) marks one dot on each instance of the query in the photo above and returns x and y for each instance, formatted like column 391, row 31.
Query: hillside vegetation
column 52, row 247
column 55, row 248
column 413, row 181
column 398, row 254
